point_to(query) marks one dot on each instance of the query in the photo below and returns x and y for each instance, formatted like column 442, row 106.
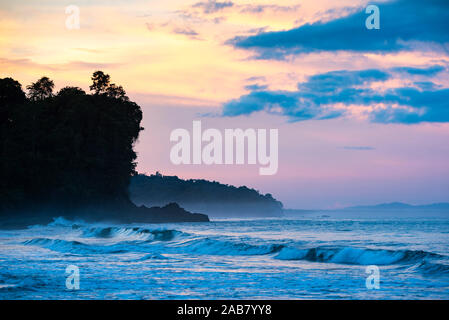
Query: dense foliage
column 200, row 195
column 67, row 149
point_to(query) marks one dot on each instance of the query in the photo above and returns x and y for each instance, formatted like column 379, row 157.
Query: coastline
column 170, row 213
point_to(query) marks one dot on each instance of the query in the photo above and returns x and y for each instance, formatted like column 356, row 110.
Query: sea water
column 312, row 256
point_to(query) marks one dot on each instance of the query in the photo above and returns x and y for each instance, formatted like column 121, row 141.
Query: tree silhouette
column 71, row 91
column 100, row 82
column 116, row 92
column 41, row 89
column 11, row 93
column 68, row 150
column 101, row 85
column 71, row 155
column 202, row 196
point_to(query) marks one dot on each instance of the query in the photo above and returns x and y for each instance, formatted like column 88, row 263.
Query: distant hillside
column 383, row 208
column 209, row 197
column 444, row 206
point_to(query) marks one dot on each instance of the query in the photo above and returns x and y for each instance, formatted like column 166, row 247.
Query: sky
column 362, row 114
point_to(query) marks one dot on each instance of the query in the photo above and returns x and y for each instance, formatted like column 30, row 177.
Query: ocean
column 313, row 256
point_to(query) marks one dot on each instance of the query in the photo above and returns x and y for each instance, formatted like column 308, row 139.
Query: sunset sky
column 362, row 114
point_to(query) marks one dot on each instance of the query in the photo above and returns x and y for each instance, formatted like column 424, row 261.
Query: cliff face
column 209, row 197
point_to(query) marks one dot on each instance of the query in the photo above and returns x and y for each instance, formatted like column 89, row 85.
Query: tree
column 41, row 89
column 117, row 92
column 11, row 99
column 68, row 91
column 11, row 94
column 66, row 151
column 100, row 82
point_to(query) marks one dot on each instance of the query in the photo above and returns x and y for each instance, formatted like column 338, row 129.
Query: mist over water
column 313, row 256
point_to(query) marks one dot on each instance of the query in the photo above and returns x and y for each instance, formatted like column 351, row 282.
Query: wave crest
column 75, row 247
column 131, row 232
column 222, row 247
column 358, row 256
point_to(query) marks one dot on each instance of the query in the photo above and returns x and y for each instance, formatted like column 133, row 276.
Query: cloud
column 6, row 63
column 358, row 148
column 260, row 8
column 291, row 104
column 426, row 106
column 175, row 29
column 426, row 85
column 336, row 81
column 256, row 78
column 404, row 24
column 89, row 50
column 330, row 95
column 186, row 31
column 201, row 10
column 256, row 87
column 430, row 71
column 88, row 65
column 212, row 6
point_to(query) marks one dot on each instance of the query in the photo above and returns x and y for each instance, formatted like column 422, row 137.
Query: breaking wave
column 222, row 247
column 156, row 242
column 208, row 246
column 74, row 247
column 357, row 256
column 431, row 268
column 131, row 232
